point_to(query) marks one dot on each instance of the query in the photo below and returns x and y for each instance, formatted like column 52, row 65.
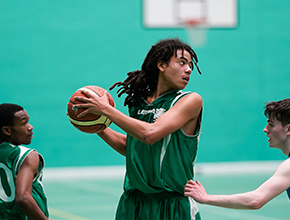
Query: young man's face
column 176, row 74
column 277, row 133
column 21, row 131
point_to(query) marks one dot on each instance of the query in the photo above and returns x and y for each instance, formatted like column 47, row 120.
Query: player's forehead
column 272, row 119
column 20, row 115
column 183, row 54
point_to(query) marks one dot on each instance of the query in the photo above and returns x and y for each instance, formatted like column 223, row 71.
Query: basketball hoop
column 196, row 31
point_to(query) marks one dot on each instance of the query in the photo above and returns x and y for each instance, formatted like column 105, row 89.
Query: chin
column 182, row 87
column 273, row 146
column 26, row 142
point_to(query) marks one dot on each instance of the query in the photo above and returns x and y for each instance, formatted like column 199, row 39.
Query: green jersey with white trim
column 11, row 159
column 167, row 164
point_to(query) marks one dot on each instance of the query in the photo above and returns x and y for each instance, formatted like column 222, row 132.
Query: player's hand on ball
column 85, row 109
column 92, row 103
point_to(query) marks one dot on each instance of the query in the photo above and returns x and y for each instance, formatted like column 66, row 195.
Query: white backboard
column 173, row 13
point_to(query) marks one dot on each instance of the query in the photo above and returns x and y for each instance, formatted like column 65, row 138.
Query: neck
column 163, row 86
column 157, row 94
column 287, row 152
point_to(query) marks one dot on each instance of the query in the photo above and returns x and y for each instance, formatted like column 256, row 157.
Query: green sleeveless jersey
column 167, row 164
column 11, row 159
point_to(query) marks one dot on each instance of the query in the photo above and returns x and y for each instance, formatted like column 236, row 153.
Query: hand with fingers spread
column 195, row 190
column 92, row 103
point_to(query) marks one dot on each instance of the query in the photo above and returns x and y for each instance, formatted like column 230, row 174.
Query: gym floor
column 92, row 198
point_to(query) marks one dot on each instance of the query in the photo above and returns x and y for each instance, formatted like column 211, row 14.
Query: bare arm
column 114, row 139
column 274, row 186
column 23, row 187
column 185, row 110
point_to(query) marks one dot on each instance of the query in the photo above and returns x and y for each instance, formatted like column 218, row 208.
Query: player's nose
column 188, row 69
column 30, row 127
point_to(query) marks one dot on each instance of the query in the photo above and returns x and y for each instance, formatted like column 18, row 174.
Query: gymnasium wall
column 48, row 49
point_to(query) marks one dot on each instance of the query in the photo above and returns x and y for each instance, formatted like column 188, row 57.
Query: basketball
column 90, row 123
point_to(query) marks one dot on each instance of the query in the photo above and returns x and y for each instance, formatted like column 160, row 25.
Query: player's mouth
column 186, row 79
column 269, row 140
column 30, row 135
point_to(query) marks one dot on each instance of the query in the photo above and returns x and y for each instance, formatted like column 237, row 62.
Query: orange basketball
column 90, row 123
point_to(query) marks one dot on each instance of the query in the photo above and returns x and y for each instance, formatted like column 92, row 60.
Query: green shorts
column 162, row 206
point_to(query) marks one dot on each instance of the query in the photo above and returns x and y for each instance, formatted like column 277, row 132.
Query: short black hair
column 279, row 110
column 7, row 112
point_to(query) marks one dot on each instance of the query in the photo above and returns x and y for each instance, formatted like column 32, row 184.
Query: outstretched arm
column 185, row 110
column 274, row 186
column 23, row 187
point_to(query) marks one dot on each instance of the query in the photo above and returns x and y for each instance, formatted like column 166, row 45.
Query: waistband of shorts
column 163, row 194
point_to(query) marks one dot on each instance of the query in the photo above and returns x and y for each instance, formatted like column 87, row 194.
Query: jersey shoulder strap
column 24, row 151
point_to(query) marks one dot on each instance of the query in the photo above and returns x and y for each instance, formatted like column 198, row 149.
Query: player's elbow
column 148, row 137
column 255, row 204
column 21, row 199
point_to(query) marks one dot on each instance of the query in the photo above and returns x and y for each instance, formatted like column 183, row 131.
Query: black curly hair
column 142, row 83
column 7, row 112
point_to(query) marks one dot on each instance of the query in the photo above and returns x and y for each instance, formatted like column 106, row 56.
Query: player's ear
column 161, row 65
column 6, row 130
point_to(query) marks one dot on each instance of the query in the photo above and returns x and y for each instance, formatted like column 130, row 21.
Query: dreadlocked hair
column 142, row 83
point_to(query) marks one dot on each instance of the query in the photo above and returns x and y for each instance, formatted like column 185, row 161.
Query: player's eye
column 181, row 62
column 24, row 122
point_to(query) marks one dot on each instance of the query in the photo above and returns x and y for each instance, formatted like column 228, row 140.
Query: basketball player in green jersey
column 278, row 132
column 21, row 190
column 162, row 133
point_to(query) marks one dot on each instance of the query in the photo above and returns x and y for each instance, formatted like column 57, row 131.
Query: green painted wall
column 48, row 49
